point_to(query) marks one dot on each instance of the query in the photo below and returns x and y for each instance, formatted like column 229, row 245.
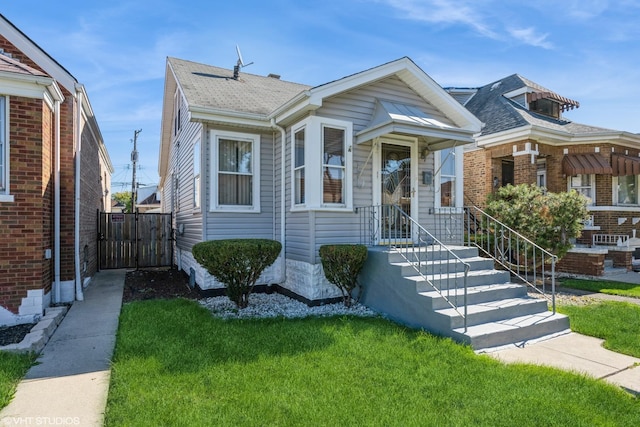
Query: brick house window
column 585, row 185
column 627, row 190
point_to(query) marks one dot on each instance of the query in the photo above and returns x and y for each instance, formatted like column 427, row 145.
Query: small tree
column 123, row 197
column 238, row 263
column 550, row 220
column 341, row 265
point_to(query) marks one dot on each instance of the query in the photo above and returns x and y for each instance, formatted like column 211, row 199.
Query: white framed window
column 196, row 174
column 235, row 172
column 177, row 116
column 447, row 177
column 625, row 190
column 322, row 164
column 298, row 166
column 584, row 184
column 541, row 173
column 333, row 165
column 4, row 152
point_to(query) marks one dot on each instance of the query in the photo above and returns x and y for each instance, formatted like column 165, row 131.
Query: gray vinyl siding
column 186, row 215
column 326, row 227
column 232, row 225
column 358, row 105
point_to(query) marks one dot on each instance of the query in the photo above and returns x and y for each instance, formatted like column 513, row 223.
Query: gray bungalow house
column 243, row 155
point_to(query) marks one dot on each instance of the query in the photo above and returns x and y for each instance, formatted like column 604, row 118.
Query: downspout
column 78, row 135
column 56, row 206
column 283, row 204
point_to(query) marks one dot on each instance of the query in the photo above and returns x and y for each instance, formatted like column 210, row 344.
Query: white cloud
column 530, row 37
column 443, row 12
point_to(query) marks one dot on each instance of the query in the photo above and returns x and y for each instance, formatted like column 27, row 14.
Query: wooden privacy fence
column 133, row 240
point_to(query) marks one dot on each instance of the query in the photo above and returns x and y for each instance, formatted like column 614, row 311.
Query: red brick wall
column 25, row 224
column 67, row 189
column 582, row 263
column 91, row 199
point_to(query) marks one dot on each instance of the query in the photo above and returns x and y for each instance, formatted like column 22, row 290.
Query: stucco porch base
column 308, row 281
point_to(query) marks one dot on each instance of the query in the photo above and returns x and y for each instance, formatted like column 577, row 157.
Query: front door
column 396, row 189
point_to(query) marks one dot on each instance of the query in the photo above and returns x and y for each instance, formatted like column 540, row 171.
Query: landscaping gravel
column 278, row 305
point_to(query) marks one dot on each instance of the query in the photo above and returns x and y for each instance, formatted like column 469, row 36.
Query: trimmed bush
column 238, row 263
column 341, row 265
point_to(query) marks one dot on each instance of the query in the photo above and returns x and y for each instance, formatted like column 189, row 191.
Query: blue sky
column 586, row 50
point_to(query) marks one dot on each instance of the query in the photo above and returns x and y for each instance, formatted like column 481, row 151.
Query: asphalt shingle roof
column 207, row 86
column 500, row 113
column 10, row 65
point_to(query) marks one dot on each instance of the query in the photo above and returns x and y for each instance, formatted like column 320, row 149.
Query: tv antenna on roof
column 240, row 64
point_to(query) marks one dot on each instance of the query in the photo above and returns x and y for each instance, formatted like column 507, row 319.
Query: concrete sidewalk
column 578, row 353
column 69, row 384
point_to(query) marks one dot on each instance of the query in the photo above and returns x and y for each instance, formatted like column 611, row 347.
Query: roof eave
column 206, row 114
column 556, row 137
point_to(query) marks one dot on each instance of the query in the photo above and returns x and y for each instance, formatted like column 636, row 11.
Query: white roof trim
column 37, row 55
column 406, row 70
column 554, row 137
column 230, row 117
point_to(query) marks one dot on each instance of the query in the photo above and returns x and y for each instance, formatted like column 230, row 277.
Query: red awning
column 625, row 165
column 585, row 164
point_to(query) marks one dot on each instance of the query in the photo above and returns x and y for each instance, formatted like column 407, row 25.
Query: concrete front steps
column 498, row 312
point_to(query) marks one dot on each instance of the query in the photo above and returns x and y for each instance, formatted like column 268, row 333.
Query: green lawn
column 176, row 365
column 603, row 286
column 618, row 323
column 12, row 368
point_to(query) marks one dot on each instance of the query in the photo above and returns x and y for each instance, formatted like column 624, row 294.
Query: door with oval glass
column 396, row 189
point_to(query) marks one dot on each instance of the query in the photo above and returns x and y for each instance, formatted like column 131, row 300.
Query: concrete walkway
column 580, row 353
column 69, row 384
column 577, row 353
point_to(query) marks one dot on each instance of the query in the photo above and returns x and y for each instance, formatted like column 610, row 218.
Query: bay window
column 321, row 164
column 333, row 165
column 298, row 167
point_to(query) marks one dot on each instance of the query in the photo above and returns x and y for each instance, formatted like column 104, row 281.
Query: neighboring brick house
column 526, row 139
column 48, row 132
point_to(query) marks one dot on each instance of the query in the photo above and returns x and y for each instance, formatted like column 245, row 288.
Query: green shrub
column 341, row 265
column 549, row 219
column 237, row 263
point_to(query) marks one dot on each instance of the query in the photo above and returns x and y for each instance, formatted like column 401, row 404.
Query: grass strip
column 13, row 367
column 604, row 286
column 618, row 323
column 176, row 365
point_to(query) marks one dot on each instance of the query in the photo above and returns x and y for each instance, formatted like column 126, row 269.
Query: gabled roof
column 213, row 94
column 406, row 70
column 30, row 48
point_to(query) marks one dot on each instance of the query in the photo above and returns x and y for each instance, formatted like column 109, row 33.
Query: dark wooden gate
column 132, row 240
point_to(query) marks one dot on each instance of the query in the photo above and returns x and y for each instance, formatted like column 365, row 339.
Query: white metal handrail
column 516, row 253
column 389, row 225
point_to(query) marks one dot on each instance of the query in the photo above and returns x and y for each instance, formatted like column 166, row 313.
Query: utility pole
column 134, row 159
